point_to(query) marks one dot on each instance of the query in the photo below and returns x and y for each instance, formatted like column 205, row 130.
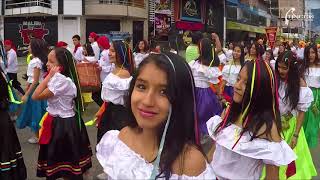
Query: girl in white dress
column 113, row 114
column 114, row 88
column 312, row 116
column 65, row 149
column 161, row 140
column 247, row 136
column 32, row 111
column 295, row 97
column 141, row 52
column 230, row 73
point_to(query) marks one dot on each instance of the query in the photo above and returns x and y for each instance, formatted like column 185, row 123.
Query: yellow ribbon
column 11, row 96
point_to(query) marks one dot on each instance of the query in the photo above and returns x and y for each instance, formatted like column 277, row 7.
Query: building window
column 10, row 4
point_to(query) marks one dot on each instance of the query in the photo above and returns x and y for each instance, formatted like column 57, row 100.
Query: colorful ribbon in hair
column 75, row 79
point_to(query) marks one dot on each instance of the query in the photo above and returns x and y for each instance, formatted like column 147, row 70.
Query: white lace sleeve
column 305, row 99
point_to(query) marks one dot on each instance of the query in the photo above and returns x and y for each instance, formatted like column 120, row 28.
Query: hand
column 54, row 70
column 24, row 99
column 99, row 67
column 214, row 36
column 293, row 142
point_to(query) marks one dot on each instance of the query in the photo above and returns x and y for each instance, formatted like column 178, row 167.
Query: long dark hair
column 206, row 53
column 40, row 50
column 146, row 46
column 307, row 59
column 66, row 60
column 242, row 52
column 124, row 56
column 262, row 107
column 89, row 49
column 180, row 93
column 259, row 49
column 293, row 77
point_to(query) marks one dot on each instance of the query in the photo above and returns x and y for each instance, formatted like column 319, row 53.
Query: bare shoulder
column 303, row 83
column 274, row 135
column 191, row 163
column 125, row 133
column 123, row 74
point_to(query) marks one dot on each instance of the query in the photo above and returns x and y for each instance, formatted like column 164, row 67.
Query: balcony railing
column 11, row 4
column 133, row 3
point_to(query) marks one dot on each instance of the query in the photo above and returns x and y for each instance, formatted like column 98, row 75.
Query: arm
column 42, row 92
column 11, row 59
column 300, row 119
column 36, row 77
column 215, row 37
column 272, row 172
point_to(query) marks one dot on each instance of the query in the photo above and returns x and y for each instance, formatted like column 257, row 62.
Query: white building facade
column 59, row 20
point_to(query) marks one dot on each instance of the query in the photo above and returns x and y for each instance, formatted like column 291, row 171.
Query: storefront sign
column 163, row 6
column 271, row 35
column 189, row 26
column 191, row 10
column 32, row 29
column 244, row 27
column 21, row 29
column 162, row 24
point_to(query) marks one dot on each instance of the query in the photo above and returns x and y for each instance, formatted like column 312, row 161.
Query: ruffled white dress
column 247, row 158
column 311, row 122
column 121, row 162
column 230, row 73
column 207, row 102
column 113, row 93
column 304, row 165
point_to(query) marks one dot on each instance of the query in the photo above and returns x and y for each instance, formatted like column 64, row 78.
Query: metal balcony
column 10, row 4
column 116, row 8
column 133, row 3
column 20, row 7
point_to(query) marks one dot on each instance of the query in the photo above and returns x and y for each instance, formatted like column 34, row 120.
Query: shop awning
column 245, row 27
column 233, row 2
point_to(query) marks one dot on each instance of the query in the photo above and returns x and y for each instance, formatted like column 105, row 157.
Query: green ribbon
column 11, row 96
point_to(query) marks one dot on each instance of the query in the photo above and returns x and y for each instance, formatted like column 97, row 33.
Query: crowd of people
column 247, row 111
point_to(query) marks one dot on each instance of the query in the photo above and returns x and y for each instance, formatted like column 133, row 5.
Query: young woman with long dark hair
column 205, row 71
column 161, row 140
column 32, row 111
column 65, row 150
column 114, row 88
column 294, row 100
column 247, row 136
column 312, row 76
column 255, row 52
column 230, row 72
column 142, row 51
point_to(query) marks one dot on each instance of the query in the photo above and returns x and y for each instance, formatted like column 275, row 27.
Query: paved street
column 30, row 151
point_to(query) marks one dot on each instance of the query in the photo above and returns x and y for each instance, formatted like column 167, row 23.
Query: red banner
column 271, row 35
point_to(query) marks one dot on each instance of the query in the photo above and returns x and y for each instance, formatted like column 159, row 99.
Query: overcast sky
column 313, row 4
